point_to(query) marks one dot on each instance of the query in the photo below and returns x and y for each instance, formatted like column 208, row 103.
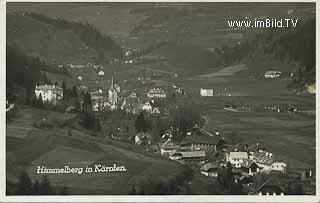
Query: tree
column 87, row 103
column 133, row 190
column 36, row 188
column 140, row 123
column 45, row 187
column 24, row 185
column 74, row 92
column 220, row 144
column 40, row 101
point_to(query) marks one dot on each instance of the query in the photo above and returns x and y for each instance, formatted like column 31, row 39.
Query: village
column 207, row 153
column 186, row 103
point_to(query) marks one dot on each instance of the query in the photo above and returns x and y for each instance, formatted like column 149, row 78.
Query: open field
column 227, row 71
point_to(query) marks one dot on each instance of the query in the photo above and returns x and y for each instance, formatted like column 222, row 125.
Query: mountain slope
column 45, row 37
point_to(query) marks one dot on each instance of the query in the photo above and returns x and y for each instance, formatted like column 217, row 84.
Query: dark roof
column 247, row 163
column 208, row 166
column 191, row 154
column 201, row 140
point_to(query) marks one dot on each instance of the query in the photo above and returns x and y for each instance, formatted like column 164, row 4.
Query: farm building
column 49, row 93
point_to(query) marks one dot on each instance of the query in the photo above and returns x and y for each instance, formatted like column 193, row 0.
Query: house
column 206, row 92
column 155, row 110
column 142, row 138
column 133, row 95
column 49, row 93
column 156, row 93
column 168, row 148
column 189, row 156
column 272, row 74
column 263, row 159
column 236, row 158
column 101, row 73
column 147, row 107
column 249, row 167
column 210, row 169
column 278, row 166
column 271, row 186
column 97, row 100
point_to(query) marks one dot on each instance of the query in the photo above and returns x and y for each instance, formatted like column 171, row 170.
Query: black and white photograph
column 160, row 98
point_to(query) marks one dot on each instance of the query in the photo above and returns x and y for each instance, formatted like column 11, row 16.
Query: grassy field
column 291, row 137
column 54, row 148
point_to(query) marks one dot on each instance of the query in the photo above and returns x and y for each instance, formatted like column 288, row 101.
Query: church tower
column 112, row 96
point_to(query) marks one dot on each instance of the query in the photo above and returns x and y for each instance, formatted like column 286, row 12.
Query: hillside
column 55, row 148
column 56, row 41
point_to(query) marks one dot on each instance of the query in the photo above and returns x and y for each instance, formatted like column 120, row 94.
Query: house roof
column 238, row 155
column 208, row 166
column 247, row 163
column 191, row 154
column 271, row 72
column 169, row 145
column 200, row 140
column 48, row 87
column 262, row 158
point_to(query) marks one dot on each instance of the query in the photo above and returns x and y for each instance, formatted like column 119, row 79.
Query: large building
column 49, row 93
column 156, row 93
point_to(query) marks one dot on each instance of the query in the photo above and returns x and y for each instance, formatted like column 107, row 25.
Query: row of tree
column 25, row 186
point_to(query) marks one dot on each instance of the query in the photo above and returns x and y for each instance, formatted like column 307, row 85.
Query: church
column 113, row 95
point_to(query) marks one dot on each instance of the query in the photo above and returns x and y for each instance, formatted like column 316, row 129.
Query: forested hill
column 59, row 41
column 23, row 73
column 287, row 45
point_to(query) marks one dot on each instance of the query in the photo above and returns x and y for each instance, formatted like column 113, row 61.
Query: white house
column 147, row 107
column 272, row 74
column 236, row 158
column 206, row 92
column 49, row 93
column 101, row 73
column 278, row 166
column 155, row 110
